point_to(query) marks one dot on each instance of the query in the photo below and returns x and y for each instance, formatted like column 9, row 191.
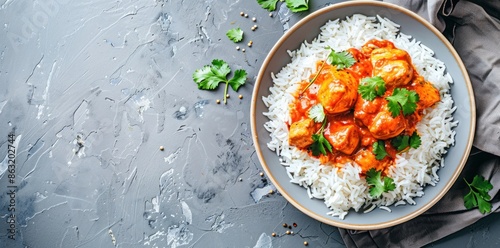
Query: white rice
column 343, row 189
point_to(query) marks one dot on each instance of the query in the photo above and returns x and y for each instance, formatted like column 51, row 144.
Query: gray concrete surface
column 92, row 89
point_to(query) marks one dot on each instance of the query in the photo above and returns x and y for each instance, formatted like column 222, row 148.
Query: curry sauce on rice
column 361, row 100
column 354, row 121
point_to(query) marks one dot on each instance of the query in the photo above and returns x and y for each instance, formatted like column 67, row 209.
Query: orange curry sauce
column 354, row 123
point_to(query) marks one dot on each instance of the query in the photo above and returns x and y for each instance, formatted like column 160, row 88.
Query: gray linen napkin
column 473, row 27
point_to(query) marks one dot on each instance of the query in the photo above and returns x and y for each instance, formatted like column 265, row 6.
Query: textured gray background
column 93, row 89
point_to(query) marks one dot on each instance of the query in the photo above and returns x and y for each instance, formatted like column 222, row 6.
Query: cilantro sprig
column 378, row 149
column 402, row 142
column 377, row 184
column 235, row 34
column 402, row 100
column 268, row 4
column 478, row 195
column 371, row 87
column 293, row 5
column 320, row 144
column 341, row 60
column 209, row 77
column 317, row 113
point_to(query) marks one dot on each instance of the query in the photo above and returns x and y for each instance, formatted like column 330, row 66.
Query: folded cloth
column 473, row 27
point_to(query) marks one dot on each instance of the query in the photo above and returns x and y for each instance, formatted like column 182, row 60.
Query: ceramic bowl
column 461, row 90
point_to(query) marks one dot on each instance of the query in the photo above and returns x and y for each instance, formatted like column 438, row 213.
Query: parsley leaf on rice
column 402, row 142
column 377, row 184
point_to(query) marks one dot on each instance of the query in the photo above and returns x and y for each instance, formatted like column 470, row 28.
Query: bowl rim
column 253, row 113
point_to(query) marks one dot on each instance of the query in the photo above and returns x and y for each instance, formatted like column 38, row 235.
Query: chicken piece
column 393, row 65
column 376, row 117
column 300, row 134
column 343, row 138
column 373, row 44
column 427, row 93
column 366, row 137
column 384, row 126
column 365, row 110
column 367, row 160
column 338, row 92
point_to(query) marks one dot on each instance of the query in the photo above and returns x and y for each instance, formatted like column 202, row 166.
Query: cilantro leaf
column 268, row 4
column 484, row 205
column 297, row 5
column 379, row 150
column 389, row 184
column 293, row 5
column 235, row 34
column 320, row 142
column 317, row 113
column 209, row 77
column 340, row 59
column 402, row 142
column 239, row 78
column 415, row 140
column 478, row 195
column 481, row 184
column 402, row 100
column 470, row 200
column 369, row 88
column 377, row 185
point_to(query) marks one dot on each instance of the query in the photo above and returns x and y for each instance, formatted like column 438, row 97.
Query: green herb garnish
column 320, row 144
column 297, row 5
column 342, row 59
column 209, row 77
column 402, row 100
column 478, row 195
column 268, row 4
column 379, row 150
column 293, row 5
column 235, row 34
column 377, row 185
column 371, row 87
column 401, row 142
column 317, row 113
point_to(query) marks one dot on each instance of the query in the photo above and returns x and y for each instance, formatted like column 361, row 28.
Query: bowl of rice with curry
column 363, row 115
